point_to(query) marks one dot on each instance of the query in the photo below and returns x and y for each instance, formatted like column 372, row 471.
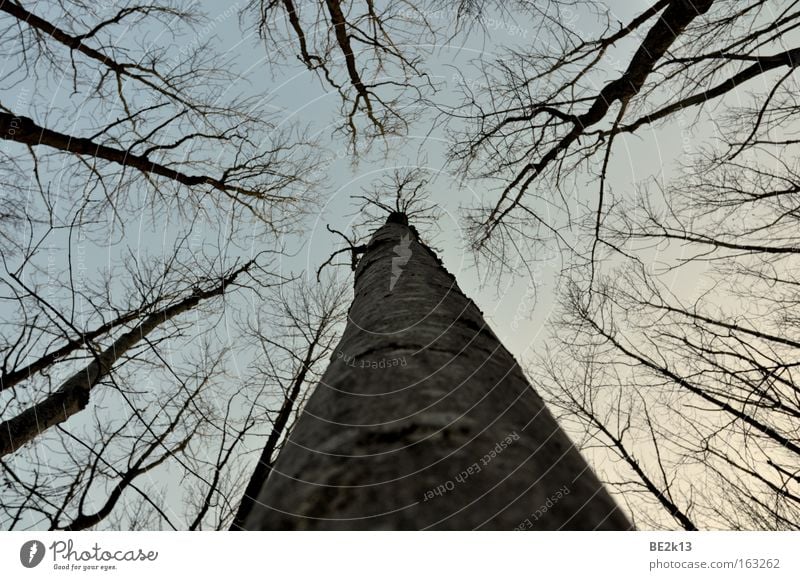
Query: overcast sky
column 517, row 313
column 507, row 302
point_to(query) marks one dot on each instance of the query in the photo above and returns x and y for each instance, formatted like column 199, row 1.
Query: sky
column 517, row 310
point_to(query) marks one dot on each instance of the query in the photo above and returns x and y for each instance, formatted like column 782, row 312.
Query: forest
column 399, row 265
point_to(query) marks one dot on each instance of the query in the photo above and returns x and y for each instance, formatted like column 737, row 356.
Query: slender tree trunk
column 424, row 420
column 73, row 394
column 264, row 465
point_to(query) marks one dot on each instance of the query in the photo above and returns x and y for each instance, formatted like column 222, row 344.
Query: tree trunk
column 73, row 394
column 424, row 420
column 264, row 465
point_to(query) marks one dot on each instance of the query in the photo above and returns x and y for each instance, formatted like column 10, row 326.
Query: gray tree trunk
column 424, row 420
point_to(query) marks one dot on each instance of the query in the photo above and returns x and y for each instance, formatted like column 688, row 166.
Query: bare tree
column 366, row 53
column 732, row 344
column 159, row 118
column 697, row 395
column 541, row 118
column 614, row 416
column 79, row 477
column 661, row 381
column 112, row 375
column 73, row 394
column 678, row 291
column 372, row 54
column 93, row 378
column 295, row 340
column 421, row 400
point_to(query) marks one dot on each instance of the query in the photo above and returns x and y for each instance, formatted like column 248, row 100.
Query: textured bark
column 73, row 394
column 420, row 393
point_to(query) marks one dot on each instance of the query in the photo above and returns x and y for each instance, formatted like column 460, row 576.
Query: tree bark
column 423, row 420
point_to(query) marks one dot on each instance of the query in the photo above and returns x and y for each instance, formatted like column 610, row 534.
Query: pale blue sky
column 507, row 302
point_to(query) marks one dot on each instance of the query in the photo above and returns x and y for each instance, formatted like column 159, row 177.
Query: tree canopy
column 617, row 186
